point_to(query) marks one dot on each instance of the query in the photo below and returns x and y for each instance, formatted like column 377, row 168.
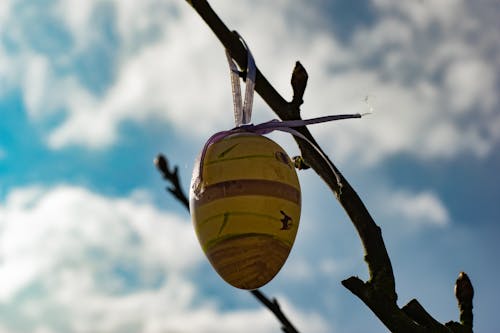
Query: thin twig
column 276, row 309
column 176, row 190
column 173, row 177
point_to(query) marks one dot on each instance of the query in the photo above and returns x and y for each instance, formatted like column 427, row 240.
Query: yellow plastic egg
column 246, row 208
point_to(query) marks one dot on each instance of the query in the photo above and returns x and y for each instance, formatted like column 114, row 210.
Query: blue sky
column 91, row 91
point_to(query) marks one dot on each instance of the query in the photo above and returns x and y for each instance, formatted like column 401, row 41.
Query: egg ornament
column 245, row 204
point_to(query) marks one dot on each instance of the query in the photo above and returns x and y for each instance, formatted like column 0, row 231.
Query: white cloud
column 466, row 81
column 4, row 10
column 308, row 269
column 434, row 86
column 42, row 229
column 73, row 260
column 415, row 209
column 161, row 81
column 331, row 267
column 417, row 59
column 301, row 270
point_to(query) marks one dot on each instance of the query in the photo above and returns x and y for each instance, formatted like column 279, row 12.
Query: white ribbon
column 242, row 113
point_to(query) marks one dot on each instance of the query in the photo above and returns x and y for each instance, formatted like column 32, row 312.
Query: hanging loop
column 242, row 111
column 266, row 128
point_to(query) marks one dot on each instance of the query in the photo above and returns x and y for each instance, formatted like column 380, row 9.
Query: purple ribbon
column 266, row 128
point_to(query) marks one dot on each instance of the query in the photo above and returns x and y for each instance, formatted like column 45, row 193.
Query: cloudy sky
column 91, row 91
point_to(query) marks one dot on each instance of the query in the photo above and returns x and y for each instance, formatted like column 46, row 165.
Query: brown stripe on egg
column 232, row 188
column 240, row 260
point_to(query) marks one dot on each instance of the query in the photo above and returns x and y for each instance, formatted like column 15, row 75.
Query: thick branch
column 388, row 312
column 379, row 293
column 176, row 190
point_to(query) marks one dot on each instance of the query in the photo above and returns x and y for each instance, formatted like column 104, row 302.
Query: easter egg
column 245, row 206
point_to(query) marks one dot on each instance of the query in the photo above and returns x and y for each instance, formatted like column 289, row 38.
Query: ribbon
column 266, row 128
column 243, row 114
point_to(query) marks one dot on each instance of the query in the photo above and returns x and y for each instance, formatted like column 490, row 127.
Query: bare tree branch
column 299, row 83
column 173, row 177
column 379, row 292
column 464, row 293
column 376, row 254
column 176, row 190
column 276, row 310
column 416, row 311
